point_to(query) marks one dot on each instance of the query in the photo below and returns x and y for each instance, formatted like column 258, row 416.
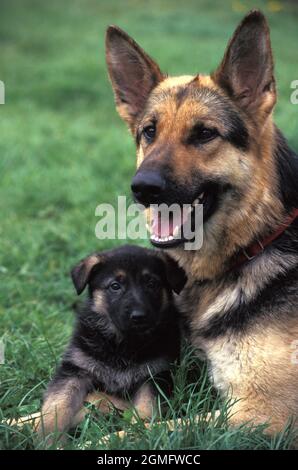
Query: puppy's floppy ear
column 246, row 71
column 132, row 72
column 176, row 275
column 81, row 273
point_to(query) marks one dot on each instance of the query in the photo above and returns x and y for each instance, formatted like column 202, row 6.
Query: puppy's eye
column 114, row 286
column 202, row 135
column 149, row 132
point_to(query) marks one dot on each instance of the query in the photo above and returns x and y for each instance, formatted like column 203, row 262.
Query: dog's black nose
column 137, row 315
column 147, row 187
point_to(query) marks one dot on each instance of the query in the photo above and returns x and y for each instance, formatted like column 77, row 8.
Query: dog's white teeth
column 201, row 197
column 155, row 238
column 198, row 200
column 161, row 239
column 176, row 231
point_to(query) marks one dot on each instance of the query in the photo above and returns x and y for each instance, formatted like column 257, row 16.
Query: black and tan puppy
column 126, row 333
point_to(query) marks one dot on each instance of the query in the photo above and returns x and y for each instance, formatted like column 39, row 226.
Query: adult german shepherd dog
column 212, row 139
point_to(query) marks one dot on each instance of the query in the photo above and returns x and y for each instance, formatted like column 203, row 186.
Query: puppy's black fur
column 126, row 333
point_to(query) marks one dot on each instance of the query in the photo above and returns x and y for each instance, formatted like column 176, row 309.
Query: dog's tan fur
column 258, row 372
column 56, row 411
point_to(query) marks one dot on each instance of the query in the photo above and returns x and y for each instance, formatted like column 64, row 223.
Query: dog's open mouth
column 171, row 228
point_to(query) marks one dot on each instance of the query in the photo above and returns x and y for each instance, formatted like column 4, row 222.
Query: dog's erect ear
column 81, row 273
column 176, row 276
column 132, row 72
column 247, row 69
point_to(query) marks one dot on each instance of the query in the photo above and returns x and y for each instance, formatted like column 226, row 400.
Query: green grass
column 63, row 150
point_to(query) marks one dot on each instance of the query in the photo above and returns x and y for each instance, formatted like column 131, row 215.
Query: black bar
column 131, row 459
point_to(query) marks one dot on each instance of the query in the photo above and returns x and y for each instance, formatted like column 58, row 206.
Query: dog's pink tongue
column 161, row 227
column 163, row 223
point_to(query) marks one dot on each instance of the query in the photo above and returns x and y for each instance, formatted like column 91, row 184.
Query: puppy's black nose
column 148, row 186
column 137, row 315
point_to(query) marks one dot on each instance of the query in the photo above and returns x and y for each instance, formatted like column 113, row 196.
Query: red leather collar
column 256, row 248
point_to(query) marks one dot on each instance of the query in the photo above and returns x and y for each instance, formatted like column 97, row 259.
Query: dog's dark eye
column 149, row 132
column 202, row 135
column 115, row 286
